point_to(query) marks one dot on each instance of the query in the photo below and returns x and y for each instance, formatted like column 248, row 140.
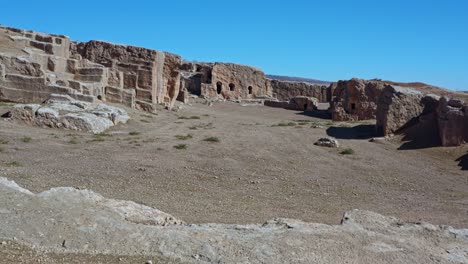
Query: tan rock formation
column 34, row 65
column 452, row 118
column 396, row 107
column 284, row 90
column 355, row 99
column 153, row 75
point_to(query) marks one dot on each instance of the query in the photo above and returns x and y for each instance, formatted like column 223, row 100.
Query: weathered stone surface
column 327, row 142
column 452, row 117
column 355, row 99
column 298, row 103
column 285, row 91
column 303, row 103
column 224, row 81
column 84, row 221
column 396, row 107
column 62, row 111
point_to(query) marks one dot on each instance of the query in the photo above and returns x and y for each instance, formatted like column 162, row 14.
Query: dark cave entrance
column 219, row 87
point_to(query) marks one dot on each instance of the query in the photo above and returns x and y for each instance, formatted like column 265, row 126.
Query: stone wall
column 284, row 90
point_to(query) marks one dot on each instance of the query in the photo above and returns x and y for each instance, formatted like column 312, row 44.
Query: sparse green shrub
column 74, row 141
column 103, row 134
column 212, row 139
column 186, row 117
column 348, row 151
column 283, row 124
column 3, row 141
column 13, row 164
column 26, row 139
column 183, row 137
column 134, row 133
column 181, row 146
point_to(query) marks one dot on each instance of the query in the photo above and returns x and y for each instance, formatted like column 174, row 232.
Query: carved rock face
column 355, row 100
column 396, row 107
column 453, row 122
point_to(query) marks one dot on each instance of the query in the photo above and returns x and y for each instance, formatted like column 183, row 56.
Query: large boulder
column 397, row 106
column 453, row 122
column 62, row 111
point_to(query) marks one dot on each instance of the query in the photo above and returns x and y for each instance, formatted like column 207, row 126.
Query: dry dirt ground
column 261, row 168
column 12, row 252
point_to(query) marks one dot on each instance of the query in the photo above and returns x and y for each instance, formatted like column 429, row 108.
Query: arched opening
column 232, row 87
column 250, row 89
column 219, row 87
column 305, row 107
column 99, row 97
column 353, row 106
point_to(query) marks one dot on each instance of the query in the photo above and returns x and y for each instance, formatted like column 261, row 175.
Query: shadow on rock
column 422, row 132
column 463, row 162
column 322, row 114
column 356, row 132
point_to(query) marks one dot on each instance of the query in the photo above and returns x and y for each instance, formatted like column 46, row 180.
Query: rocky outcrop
column 71, row 220
column 298, row 103
column 34, row 65
column 397, row 106
column 452, row 118
column 284, row 90
column 433, row 119
column 152, row 74
column 62, row 111
column 355, row 99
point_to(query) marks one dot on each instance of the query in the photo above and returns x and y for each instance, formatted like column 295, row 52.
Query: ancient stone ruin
column 403, row 110
column 355, row 99
column 34, row 65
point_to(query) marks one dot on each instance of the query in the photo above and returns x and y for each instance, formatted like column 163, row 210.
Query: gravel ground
column 255, row 167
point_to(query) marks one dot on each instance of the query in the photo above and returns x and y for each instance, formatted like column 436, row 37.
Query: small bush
column 103, row 135
column 182, row 137
column 145, row 121
column 181, row 146
column 3, row 141
column 13, row 164
column 212, row 139
column 282, row 124
column 134, row 133
column 73, row 141
column 26, row 139
column 348, row 151
column 186, row 117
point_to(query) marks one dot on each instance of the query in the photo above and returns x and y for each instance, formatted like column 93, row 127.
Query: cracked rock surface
column 81, row 221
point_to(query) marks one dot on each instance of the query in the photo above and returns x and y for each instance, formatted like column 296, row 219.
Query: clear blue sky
column 399, row 40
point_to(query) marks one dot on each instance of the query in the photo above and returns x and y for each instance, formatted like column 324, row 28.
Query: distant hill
column 297, row 79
